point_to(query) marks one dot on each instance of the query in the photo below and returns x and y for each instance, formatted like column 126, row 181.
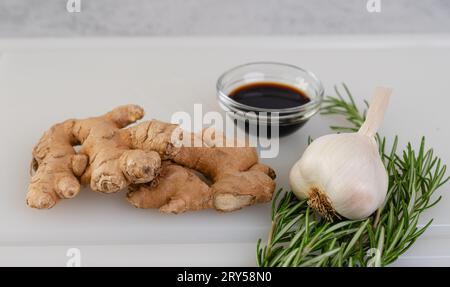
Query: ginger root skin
column 160, row 172
column 176, row 190
column 54, row 165
column 103, row 161
column 179, row 189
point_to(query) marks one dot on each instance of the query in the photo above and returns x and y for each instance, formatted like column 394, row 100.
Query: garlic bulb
column 342, row 174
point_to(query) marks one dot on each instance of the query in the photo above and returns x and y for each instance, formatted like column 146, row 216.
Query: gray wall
column 22, row 18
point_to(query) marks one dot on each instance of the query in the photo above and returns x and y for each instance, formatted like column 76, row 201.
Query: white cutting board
column 46, row 81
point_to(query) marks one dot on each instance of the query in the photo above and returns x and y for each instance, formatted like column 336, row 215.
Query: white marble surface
column 31, row 18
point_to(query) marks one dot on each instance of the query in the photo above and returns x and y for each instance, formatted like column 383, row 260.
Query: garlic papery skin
column 343, row 174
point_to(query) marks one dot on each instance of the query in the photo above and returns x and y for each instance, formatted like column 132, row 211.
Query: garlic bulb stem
column 376, row 112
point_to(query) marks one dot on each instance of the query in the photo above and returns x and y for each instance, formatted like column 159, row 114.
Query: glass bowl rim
column 314, row 103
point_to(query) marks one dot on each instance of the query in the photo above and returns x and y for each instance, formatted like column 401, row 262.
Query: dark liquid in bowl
column 267, row 95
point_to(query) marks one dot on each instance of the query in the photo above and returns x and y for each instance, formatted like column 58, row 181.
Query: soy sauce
column 268, row 95
column 274, row 96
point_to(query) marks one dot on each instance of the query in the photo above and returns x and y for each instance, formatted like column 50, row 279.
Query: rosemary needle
column 298, row 237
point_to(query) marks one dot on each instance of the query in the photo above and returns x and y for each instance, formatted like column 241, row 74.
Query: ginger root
column 179, row 189
column 105, row 160
column 160, row 172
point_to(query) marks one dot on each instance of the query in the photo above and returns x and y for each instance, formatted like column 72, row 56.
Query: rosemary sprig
column 299, row 237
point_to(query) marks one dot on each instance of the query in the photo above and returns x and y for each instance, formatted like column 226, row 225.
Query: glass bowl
column 287, row 119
